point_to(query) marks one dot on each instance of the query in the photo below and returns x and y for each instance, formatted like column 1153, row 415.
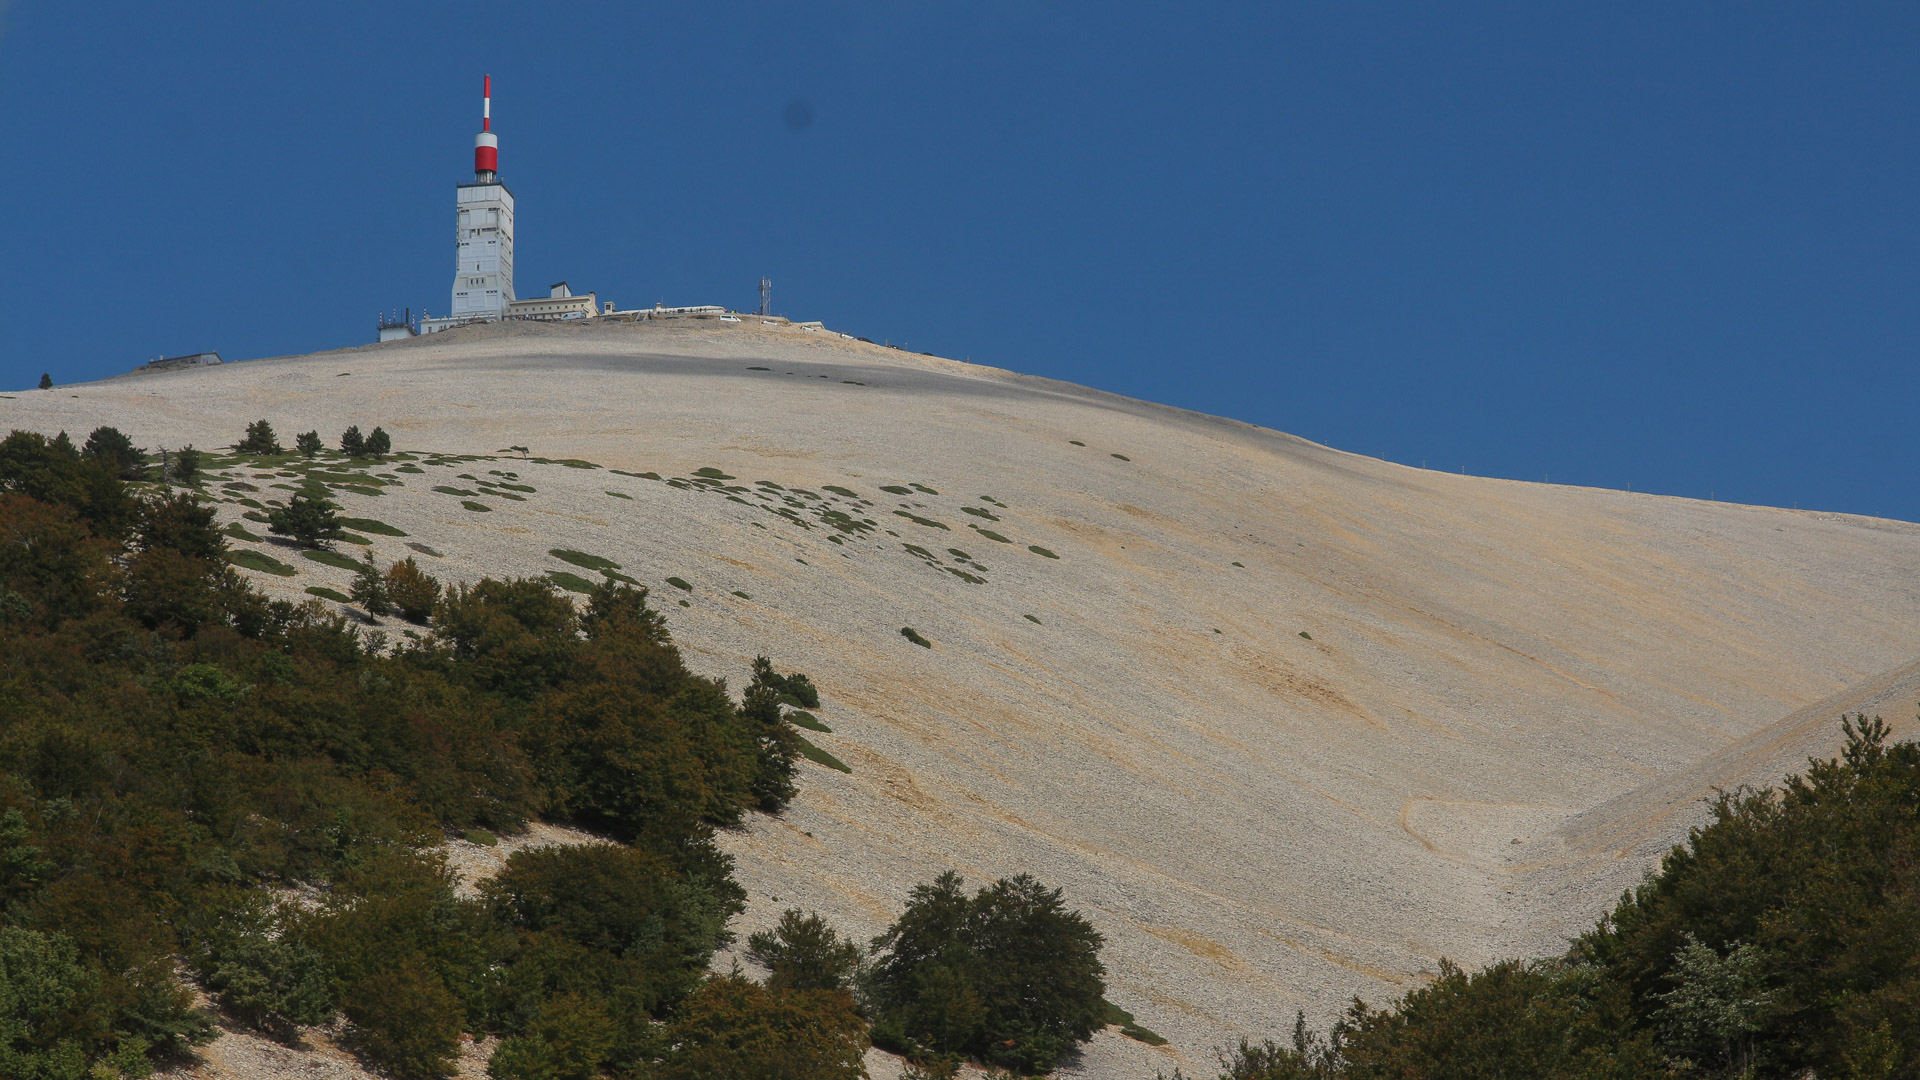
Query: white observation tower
column 483, row 269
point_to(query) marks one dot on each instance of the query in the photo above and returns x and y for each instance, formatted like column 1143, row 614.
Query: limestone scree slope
column 1287, row 723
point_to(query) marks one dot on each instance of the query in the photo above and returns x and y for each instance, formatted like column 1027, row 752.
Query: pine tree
column 113, row 449
column 259, row 439
column 186, row 464
column 369, row 588
column 378, row 444
column 308, row 521
column 46, row 381
column 308, row 443
column 352, row 443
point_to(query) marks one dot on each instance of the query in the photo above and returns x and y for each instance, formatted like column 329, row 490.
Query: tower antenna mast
column 766, row 296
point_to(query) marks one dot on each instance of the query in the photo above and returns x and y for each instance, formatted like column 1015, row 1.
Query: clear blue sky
column 1672, row 246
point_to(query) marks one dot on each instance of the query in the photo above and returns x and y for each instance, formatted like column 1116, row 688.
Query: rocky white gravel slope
column 1287, row 723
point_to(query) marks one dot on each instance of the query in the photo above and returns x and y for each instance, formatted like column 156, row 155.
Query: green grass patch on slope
column 369, row 525
column 805, row 719
column 325, row 593
column 570, row 581
column 820, row 757
column 261, row 561
column 476, row 507
column 332, row 558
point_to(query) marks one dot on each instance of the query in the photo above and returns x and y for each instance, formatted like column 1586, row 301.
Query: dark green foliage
column 412, row 591
column 369, row 588
column 1781, row 935
column 261, row 975
column 325, row 593
column 352, row 443
column 379, row 443
column 820, row 757
column 369, row 525
column 1116, row 1016
column 914, row 636
column 584, row 560
column 173, row 741
column 1778, row 942
column 734, row 1027
column 711, row 473
column 307, row 520
column 680, row 583
column 993, row 536
column 46, row 381
column 476, row 507
column 571, row 582
column 804, row 719
column 1042, row 552
column 186, row 464
column 261, row 561
column 803, row 952
column 52, row 471
column 607, row 921
column 308, row 443
column 259, row 439
column 331, row 558
column 1008, row 975
column 177, row 579
column 115, row 451
column 1122, row 457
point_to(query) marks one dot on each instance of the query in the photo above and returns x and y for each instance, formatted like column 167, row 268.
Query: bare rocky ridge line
column 1258, row 820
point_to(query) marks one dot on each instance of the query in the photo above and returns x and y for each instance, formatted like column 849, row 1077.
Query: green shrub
column 476, row 507
column 186, row 464
column 369, row 588
column 325, row 593
column 481, row 837
column 403, row 1018
column 412, row 591
column 1008, row 976
column 711, row 473
column 308, row 443
column 803, row 952
column 115, row 451
column 913, row 635
column 259, row 439
column 680, row 583
column 993, row 536
column 306, row 520
column 734, row 1027
column 379, row 443
column 1042, row 552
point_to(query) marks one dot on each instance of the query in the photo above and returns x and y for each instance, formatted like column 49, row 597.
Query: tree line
column 1782, row 940
column 194, row 776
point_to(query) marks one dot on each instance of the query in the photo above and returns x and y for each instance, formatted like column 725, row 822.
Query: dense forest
column 1781, row 941
column 203, row 788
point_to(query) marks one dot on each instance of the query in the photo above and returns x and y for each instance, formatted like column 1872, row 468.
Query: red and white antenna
column 486, row 145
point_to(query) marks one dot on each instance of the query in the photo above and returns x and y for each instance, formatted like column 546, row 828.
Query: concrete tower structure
column 483, row 230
